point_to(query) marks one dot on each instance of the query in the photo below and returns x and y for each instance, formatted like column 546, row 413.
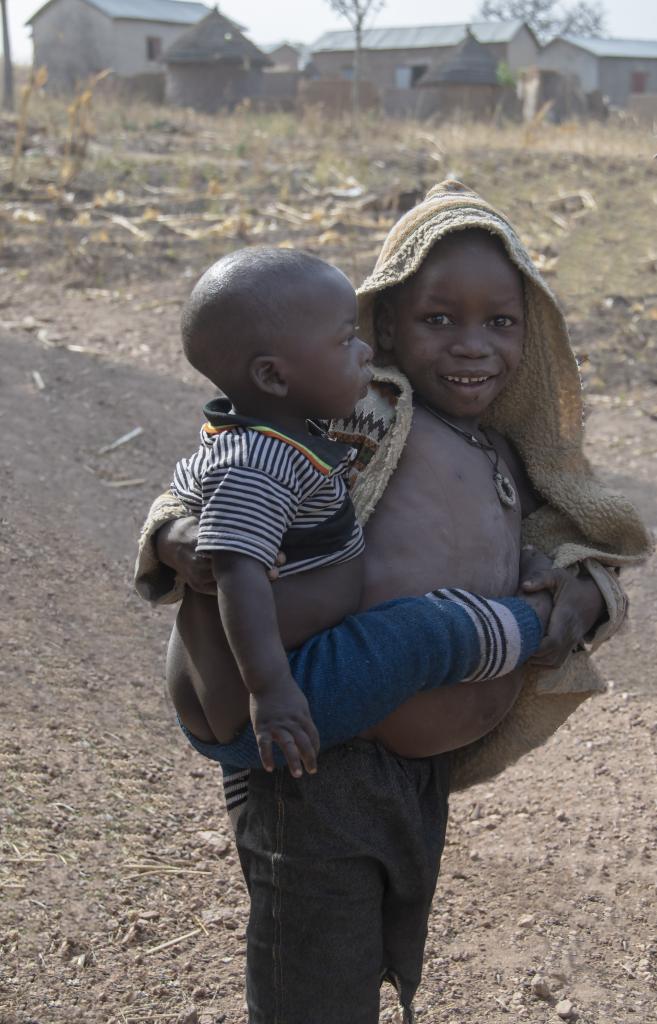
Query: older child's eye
column 439, row 319
column 502, row 321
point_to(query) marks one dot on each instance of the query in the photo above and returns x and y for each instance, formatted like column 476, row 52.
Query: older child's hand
column 175, row 543
column 532, row 563
column 281, row 715
column 578, row 605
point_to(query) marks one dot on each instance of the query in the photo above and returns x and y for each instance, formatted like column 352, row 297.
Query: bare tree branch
column 356, row 12
column 547, row 18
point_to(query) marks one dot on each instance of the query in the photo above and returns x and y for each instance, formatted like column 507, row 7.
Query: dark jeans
column 341, row 868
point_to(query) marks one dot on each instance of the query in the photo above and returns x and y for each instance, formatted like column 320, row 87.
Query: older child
column 342, row 865
column 264, row 479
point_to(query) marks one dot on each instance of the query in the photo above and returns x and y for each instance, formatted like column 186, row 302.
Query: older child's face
column 457, row 327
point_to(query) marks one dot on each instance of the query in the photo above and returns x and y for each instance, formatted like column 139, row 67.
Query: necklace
column 506, row 492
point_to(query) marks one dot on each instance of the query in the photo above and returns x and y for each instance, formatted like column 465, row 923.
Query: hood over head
column 540, row 411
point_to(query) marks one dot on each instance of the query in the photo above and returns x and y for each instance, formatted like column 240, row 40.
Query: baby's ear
column 384, row 324
column 268, row 375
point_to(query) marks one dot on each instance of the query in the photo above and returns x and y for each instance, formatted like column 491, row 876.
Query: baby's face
column 457, row 327
column 328, row 367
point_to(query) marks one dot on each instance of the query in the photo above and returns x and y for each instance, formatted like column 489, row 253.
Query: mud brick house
column 616, row 68
column 397, row 58
column 76, row 38
column 213, row 66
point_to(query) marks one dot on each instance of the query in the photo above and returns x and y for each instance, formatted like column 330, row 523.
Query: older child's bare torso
column 439, row 523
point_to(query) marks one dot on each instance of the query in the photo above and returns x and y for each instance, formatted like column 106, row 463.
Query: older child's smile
column 469, row 381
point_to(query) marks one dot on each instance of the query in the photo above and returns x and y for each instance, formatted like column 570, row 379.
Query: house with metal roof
column 213, row 66
column 616, row 68
column 76, row 38
column 397, row 58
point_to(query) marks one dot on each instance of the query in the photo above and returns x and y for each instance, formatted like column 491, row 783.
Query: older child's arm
column 578, row 604
column 279, row 711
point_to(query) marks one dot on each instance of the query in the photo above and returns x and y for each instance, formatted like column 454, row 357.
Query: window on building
column 408, row 75
column 153, row 47
column 402, row 77
column 639, row 81
column 416, row 72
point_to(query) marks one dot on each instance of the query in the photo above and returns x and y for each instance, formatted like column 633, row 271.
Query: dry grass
column 140, row 193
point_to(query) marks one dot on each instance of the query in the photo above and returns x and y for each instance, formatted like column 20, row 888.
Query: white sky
column 305, row 20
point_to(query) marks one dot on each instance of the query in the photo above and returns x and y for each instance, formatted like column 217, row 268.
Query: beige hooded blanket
column 540, row 412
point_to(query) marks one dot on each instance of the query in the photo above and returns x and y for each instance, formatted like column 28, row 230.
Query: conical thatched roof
column 214, row 39
column 470, row 64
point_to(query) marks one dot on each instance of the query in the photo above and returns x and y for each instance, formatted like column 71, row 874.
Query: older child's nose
column 473, row 344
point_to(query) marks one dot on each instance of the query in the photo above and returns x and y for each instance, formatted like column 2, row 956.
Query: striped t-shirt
column 257, row 491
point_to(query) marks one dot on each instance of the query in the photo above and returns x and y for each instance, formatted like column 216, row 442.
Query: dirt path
column 113, row 836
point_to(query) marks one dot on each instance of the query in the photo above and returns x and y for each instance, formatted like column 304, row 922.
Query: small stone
column 540, row 987
column 189, row 1016
column 565, row 1010
column 561, row 815
column 217, row 842
column 526, row 921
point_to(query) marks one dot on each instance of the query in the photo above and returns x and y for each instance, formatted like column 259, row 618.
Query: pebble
column 189, row 1016
column 565, row 1010
column 526, row 921
column 540, row 987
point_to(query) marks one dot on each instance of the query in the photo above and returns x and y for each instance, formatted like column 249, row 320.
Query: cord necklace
column 506, row 492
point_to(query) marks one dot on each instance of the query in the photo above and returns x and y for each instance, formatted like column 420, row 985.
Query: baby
column 275, row 331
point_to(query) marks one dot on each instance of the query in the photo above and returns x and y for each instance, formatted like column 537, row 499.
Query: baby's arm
column 279, row 711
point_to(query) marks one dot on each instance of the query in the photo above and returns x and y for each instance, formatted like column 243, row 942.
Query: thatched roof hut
column 464, row 82
column 213, row 65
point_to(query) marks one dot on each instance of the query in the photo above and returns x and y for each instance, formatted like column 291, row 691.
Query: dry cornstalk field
column 122, row 901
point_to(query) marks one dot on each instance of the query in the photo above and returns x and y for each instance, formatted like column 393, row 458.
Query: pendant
column 506, row 492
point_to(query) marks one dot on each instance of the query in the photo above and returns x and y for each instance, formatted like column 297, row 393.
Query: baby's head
column 456, row 327
column 275, row 330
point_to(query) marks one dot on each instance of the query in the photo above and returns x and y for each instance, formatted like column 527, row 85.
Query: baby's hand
column 281, row 715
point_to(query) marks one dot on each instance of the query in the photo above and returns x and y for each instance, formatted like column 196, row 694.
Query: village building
column 466, row 82
column 214, row 66
column 77, row 38
column 285, row 56
column 397, row 58
column 614, row 68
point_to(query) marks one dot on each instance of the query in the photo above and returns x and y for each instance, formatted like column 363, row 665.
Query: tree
column 547, row 19
column 8, row 90
column 356, row 12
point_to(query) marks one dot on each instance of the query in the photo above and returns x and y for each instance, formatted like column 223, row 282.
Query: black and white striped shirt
column 258, row 491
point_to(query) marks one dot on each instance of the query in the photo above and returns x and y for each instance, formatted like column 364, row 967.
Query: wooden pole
column 8, row 89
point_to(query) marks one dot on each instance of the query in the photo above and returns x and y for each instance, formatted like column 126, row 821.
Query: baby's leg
column 204, row 683
column 359, row 672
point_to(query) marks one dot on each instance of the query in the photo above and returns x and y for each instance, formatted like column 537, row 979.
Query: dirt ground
column 122, row 900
